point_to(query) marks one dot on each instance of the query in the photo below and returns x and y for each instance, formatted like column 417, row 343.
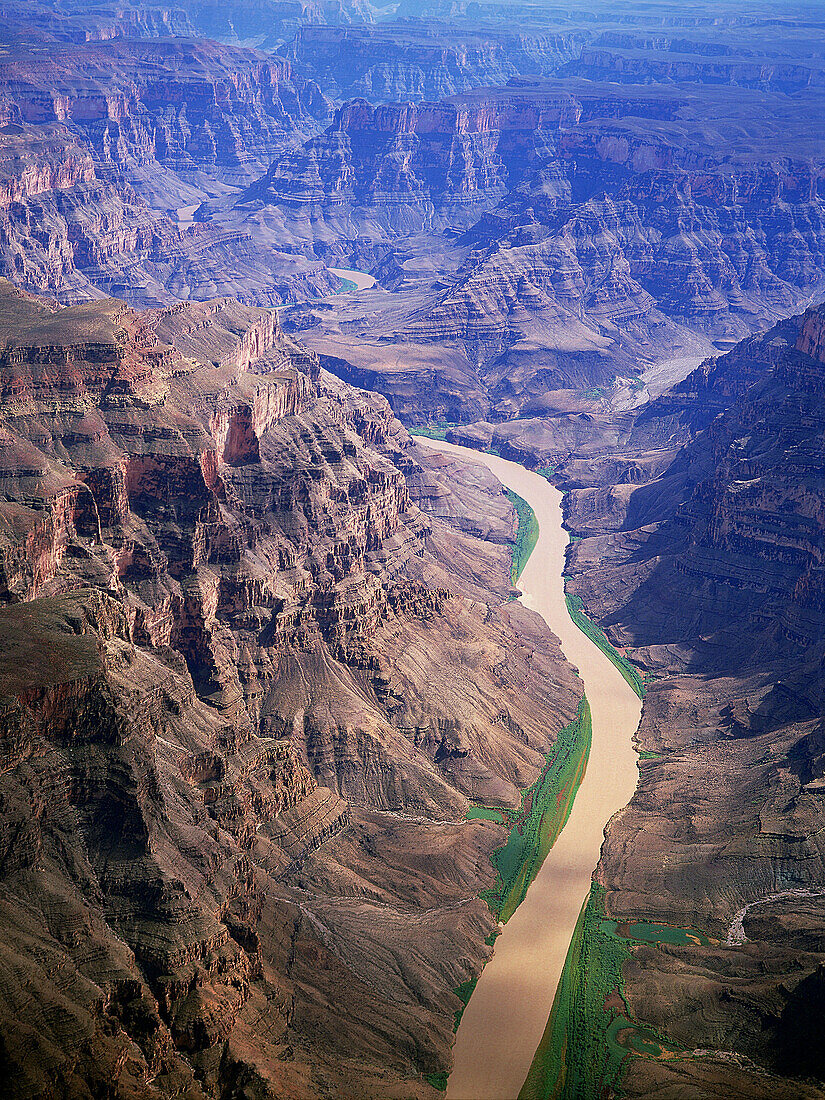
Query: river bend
column 504, row 1021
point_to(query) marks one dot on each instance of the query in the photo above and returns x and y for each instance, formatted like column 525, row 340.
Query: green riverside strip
column 599, row 638
column 436, row 430
column 437, row 1080
column 534, row 829
column 544, row 810
column 485, row 813
column 526, row 537
column 590, row 1033
column 574, row 1058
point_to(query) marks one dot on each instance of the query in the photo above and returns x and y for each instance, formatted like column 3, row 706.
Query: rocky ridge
column 620, row 224
column 102, row 145
column 414, row 61
column 700, row 552
column 258, row 23
column 271, row 659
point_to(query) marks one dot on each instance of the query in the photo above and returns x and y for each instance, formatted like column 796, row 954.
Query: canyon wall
column 551, row 239
column 259, row 658
column 424, row 61
column 709, row 575
column 102, row 143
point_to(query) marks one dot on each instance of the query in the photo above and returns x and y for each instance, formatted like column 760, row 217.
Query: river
column 360, row 278
column 186, row 215
column 504, row 1021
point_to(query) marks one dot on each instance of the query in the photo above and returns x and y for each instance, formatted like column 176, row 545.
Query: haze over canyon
column 313, row 698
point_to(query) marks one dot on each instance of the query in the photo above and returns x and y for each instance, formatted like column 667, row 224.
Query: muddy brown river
column 360, row 278
column 505, row 1019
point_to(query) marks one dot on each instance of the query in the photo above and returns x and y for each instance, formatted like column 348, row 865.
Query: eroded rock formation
column 424, row 61
column 102, row 144
column 257, row 658
column 706, row 566
column 581, row 231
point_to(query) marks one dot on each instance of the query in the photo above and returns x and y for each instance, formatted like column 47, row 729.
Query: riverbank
column 598, row 637
column 591, row 1032
column 494, row 1049
column 545, row 808
column 527, row 534
column 353, row 280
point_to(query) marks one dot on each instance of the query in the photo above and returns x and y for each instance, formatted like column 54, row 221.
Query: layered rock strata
column 424, row 61
column 548, row 241
column 102, row 145
column 258, row 660
column 706, row 567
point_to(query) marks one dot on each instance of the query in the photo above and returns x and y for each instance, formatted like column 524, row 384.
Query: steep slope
column 250, row 689
column 402, row 167
column 623, row 225
column 102, row 144
column 189, row 104
column 259, row 23
column 753, row 56
column 424, row 60
column 711, row 576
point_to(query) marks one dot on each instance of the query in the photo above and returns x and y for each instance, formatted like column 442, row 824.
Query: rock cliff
column 102, row 145
column 260, row 23
column 415, row 61
column 258, row 657
column 603, row 228
column 187, row 104
column 709, row 573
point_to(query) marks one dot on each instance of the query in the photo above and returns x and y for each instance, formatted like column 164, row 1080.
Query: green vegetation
column 464, row 992
column 641, row 931
column 599, row 638
column 546, row 472
column 590, row 1032
column 486, row 813
column 544, row 810
column 436, row 430
column 534, row 829
column 648, row 754
column 437, row 1080
column 526, row 537
column 574, row 1058
column 347, row 286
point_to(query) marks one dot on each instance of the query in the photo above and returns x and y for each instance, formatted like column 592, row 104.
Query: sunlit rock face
column 256, row 662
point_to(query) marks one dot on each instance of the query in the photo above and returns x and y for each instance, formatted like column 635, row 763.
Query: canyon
column 568, row 246
column 274, row 717
column 258, row 662
column 494, row 1050
column 705, row 567
column 101, row 143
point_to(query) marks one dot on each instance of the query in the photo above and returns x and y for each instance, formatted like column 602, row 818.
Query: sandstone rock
column 247, row 683
column 710, row 573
